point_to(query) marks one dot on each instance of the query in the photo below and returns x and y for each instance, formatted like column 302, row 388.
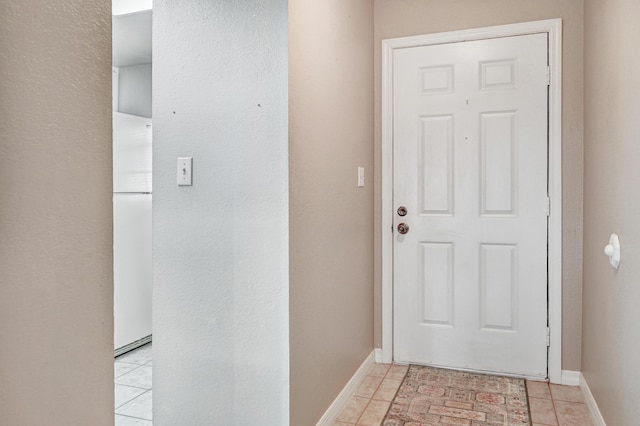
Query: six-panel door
column 470, row 166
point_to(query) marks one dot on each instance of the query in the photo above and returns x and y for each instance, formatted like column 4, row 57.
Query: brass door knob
column 403, row 228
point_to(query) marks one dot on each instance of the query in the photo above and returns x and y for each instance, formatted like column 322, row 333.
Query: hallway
column 550, row 405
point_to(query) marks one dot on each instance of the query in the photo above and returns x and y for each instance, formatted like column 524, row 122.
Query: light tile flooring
column 556, row 405
column 551, row 405
column 132, row 375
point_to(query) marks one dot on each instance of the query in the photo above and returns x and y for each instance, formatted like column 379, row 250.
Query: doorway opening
column 132, row 204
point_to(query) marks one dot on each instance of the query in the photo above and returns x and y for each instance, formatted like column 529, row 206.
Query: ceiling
column 132, row 39
column 120, row 7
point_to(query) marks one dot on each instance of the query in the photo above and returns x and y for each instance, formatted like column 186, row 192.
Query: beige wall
column 331, row 220
column 56, row 280
column 611, row 334
column 399, row 18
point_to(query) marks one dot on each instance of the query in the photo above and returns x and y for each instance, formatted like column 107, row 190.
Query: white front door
column 470, row 168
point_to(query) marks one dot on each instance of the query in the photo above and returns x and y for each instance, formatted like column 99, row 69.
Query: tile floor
column 371, row 400
column 551, row 405
column 132, row 375
column 555, row 405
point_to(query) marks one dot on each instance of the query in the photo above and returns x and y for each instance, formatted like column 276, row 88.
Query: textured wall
column 611, row 334
column 400, row 18
column 331, row 134
column 220, row 247
column 56, row 279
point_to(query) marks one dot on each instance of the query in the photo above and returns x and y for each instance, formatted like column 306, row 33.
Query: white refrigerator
column 132, row 267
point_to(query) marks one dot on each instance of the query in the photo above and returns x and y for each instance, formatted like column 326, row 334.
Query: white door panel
column 470, row 166
column 132, row 268
column 132, row 153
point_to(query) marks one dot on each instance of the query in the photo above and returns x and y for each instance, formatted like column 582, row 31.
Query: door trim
column 553, row 27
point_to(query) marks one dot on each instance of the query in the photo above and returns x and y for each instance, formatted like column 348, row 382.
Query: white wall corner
column 334, row 410
column 570, row 378
column 596, row 415
column 378, row 355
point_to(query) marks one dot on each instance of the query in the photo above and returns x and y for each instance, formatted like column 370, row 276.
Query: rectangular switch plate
column 185, row 166
column 360, row 177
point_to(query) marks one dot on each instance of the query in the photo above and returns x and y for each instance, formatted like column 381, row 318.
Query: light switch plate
column 360, row 177
column 185, row 166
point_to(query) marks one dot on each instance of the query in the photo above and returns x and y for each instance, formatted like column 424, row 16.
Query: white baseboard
column 378, row 353
column 132, row 346
column 570, row 378
column 334, row 410
column 596, row 415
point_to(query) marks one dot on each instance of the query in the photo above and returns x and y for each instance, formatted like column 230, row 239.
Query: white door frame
column 553, row 27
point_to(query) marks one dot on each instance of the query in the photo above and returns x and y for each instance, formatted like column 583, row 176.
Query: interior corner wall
column 331, row 257
column 221, row 246
column 414, row 17
column 611, row 335
column 134, row 90
column 56, row 273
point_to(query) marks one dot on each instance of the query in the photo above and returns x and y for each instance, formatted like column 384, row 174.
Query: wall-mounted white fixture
column 185, row 165
column 613, row 251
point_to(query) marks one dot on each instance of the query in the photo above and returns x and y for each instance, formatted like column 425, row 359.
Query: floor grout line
column 145, row 390
column 372, row 395
column 134, row 417
column 553, row 402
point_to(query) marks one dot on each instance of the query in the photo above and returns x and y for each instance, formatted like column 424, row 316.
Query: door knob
column 403, row 228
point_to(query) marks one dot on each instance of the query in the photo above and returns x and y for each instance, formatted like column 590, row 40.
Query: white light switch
column 360, row 177
column 185, row 165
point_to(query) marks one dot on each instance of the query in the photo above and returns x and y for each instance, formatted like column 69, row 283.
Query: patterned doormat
column 433, row 396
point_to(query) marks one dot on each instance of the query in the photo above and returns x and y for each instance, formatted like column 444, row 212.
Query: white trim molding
column 343, row 398
column 131, row 346
column 596, row 415
column 570, row 378
column 553, row 27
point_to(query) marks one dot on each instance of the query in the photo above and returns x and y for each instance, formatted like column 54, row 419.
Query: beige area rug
column 433, row 396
